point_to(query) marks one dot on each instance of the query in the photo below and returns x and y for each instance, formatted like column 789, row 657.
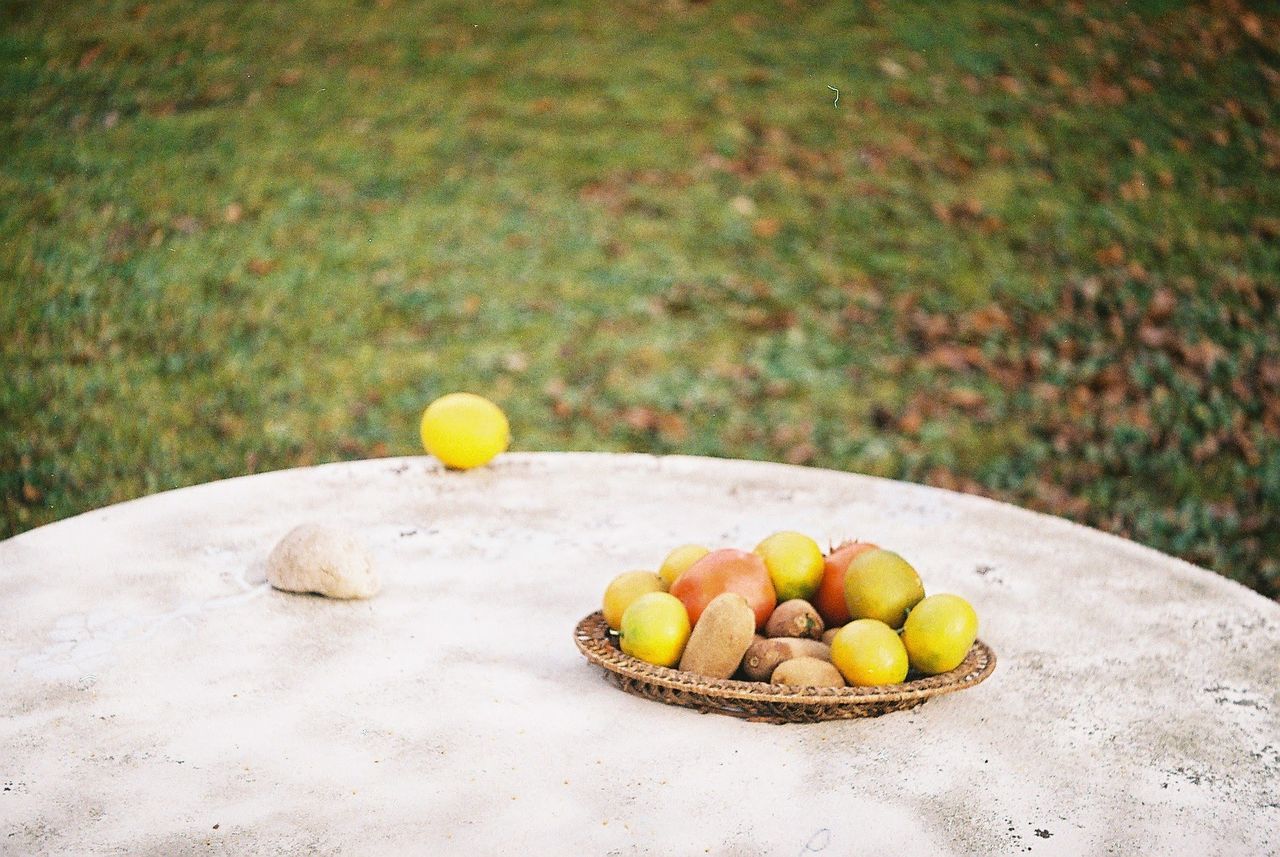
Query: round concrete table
column 158, row 698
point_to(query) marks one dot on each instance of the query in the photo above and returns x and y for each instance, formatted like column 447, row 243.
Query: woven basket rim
column 593, row 639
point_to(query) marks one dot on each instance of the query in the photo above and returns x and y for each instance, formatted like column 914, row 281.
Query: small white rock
column 323, row 558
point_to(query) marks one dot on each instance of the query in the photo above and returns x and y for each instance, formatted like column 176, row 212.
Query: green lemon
column 680, row 559
column 655, row 629
column 624, row 589
column 868, row 652
column 795, row 564
column 881, row 585
column 939, row 632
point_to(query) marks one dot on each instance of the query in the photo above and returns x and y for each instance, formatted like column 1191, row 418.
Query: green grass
column 1033, row 252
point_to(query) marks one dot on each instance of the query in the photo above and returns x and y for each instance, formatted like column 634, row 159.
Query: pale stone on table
column 326, row 559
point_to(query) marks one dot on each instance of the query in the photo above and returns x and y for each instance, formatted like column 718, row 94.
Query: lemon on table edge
column 464, row 430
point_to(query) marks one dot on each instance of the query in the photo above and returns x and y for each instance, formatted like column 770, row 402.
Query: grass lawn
column 1033, row 251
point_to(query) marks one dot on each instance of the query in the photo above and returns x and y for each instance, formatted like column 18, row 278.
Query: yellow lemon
column 624, row 589
column 938, row 633
column 868, row 652
column 680, row 559
column 464, row 430
column 795, row 564
column 655, row 629
column 881, row 585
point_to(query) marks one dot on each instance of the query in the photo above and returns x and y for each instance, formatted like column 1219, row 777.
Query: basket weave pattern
column 769, row 703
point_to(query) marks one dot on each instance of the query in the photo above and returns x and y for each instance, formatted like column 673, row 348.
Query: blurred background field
column 1033, row 252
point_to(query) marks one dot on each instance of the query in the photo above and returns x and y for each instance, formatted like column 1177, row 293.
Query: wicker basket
column 769, row 703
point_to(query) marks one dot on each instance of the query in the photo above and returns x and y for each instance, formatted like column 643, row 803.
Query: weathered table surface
column 157, row 698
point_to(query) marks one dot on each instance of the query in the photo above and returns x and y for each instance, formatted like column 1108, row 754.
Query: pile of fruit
column 788, row 614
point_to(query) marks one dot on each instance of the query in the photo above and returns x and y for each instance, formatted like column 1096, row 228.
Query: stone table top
column 156, row 697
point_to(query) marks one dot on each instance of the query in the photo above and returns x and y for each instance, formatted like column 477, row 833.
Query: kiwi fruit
column 764, row 655
column 720, row 639
column 794, row 618
column 808, row 672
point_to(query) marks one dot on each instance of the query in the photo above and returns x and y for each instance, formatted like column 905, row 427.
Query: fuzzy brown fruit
column 764, row 655
column 794, row 618
column 808, row 672
column 720, row 639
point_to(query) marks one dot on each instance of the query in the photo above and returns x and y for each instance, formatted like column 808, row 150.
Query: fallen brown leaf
column 965, row 397
column 1251, row 24
column 672, row 427
column 911, row 420
column 801, row 453
column 1009, row 84
column 89, row 57
column 1152, row 337
column 640, row 418
column 1162, row 305
column 1267, row 227
column 766, row 227
column 1112, row 255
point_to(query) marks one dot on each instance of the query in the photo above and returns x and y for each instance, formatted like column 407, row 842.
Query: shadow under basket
column 764, row 702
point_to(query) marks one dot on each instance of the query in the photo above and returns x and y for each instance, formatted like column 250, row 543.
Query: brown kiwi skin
column 764, row 655
column 795, row 618
column 807, row 672
column 721, row 638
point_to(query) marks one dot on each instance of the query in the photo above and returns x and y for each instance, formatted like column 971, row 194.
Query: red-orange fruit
column 727, row 570
column 830, row 599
